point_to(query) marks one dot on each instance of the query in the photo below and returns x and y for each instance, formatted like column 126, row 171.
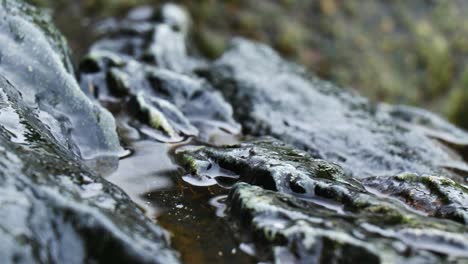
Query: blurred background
column 404, row 52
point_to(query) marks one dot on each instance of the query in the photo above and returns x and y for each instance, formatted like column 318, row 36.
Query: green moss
column 386, row 214
column 408, row 177
column 188, row 162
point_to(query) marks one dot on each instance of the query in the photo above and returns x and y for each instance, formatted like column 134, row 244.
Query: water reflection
column 193, row 215
column 147, row 170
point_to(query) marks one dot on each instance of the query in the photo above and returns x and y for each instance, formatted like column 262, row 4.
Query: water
column 199, row 235
column 148, row 169
column 194, row 215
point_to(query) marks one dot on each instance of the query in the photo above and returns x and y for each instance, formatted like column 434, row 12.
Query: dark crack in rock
column 34, row 58
column 296, row 209
column 55, row 210
column 142, row 62
column 274, row 97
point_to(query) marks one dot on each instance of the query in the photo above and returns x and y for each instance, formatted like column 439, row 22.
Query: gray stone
column 54, row 209
column 297, row 208
column 273, row 97
column 157, row 38
column 435, row 195
column 34, row 58
column 291, row 230
column 143, row 60
column 162, row 115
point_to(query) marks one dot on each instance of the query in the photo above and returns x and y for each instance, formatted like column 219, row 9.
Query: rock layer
column 296, row 208
column 143, row 63
column 359, row 182
column 34, row 58
column 55, row 210
column 274, row 97
column 435, row 195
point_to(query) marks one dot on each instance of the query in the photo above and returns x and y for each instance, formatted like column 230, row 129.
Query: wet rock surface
column 274, row 97
column 296, row 208
column 339, row 180
column 55, row 209
column 143, row 63
column 329, row 196
column 141, row 71
column 435, row 195
column 34, row 58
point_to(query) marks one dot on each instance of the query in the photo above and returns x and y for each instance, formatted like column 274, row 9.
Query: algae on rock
column 54, row 209
column 274, row 97
column 337, row 193
column 297, row 208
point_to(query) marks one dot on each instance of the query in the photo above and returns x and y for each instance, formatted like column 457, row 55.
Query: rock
column 338, row 195
column 296, row 208
column 435, row 195
column 143, row 63
column 292, row 230
column 34, row 58
column 158, row 38
column 54, row 209
column 154, row 112
column 274, row 97
column 331, row 197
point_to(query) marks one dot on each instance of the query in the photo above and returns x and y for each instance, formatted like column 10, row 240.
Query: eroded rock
column 297, row 208
column 34, row 58
column 143, row 60
column 54, row 209
column 293, row 205
column 292, row 230
column 435, row 195
column 274, row 97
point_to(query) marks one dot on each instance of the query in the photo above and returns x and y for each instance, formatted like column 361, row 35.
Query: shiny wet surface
column 198, row 234
column 193, row 215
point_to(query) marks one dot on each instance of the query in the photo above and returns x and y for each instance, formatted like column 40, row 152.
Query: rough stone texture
column 54, row 210
column 292, row 230
column 309, row 209
column 293, row 206
column 274, row 97
column 143, row 61
column 153, row 36
column 437, row 196
column 34, row 58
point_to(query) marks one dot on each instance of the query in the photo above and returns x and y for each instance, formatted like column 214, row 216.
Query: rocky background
column 405, row 52
column 144, row 149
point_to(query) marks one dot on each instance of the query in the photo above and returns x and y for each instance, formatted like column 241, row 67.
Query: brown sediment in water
column 198, row 228
column 198, row 234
